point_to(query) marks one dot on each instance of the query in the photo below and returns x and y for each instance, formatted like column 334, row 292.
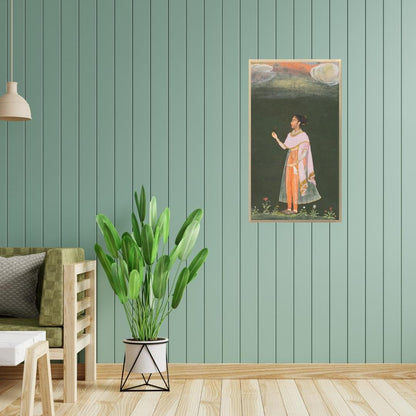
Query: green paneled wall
column 125, row 93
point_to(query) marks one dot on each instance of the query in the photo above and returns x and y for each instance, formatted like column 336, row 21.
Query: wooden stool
column 37, row 354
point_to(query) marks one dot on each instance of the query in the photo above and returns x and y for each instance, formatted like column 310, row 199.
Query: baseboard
column 246, row 371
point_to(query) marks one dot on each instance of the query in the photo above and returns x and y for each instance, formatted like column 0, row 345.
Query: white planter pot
column 144, row 363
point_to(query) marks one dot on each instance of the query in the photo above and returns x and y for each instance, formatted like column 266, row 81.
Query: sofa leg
column 70, row 378
column 90, row 366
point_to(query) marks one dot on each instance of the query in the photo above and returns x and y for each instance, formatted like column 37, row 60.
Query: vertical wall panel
column 3, row 126
column 34, row 129
column 374, row 182
column 195, row 169
column 141, row 95
column 285, row 294
column 267, row 232
column 248, row 240
column 87, row 125
column 16, row 141
column 123, row 142
column 408, row 197
column 213, row 181
column 392, row 193
column 51, row 123
column 338, row 238
column 302, row 232
column 231, row 178
column 70, row 123
column 159, row 101
column 105, row 169
column 125, row 93
column 177, row 159
column 141, row 76
column 356, row 184
column 159, row 159
column 320, row 232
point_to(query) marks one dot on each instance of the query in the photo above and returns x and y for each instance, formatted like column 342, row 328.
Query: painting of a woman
column 286, row 183
column 298, row 184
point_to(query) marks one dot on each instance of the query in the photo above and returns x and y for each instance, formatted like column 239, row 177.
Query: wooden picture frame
column 295, row 140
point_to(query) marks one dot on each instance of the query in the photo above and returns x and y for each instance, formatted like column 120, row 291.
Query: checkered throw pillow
column 18, row 281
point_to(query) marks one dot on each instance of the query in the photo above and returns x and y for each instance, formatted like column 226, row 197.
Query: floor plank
column 272, row 399
column 312, row 398
column 333, row 398
column 146, row 405
column 9, row 396
column 251, row 402
column 227, row 397
column 89, row 396
column 211, row 398
column 405, row 389
column 190, row 398
column 374, row 399
column 292, row 398
column 230, row 398
column 353, row 397
column 393, row 398
column 6, row 385
column 168, row 402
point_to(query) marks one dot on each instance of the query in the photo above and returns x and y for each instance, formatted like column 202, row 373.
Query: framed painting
column 295, row 140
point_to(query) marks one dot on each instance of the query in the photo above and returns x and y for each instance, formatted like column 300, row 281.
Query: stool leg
column 38, row 352
column 29, row 384
column 45, row 380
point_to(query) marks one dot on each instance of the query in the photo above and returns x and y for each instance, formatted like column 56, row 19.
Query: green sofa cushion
column 52, row 298
column 53, row 334
column 52, row 303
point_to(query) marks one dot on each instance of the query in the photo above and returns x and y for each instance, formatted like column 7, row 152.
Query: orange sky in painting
column 300, row 67
column 297, row 66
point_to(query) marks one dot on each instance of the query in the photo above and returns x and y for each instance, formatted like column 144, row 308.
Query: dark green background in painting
column 268, row 159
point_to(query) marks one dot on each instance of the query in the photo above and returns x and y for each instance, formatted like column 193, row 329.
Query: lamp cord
column 11, row 40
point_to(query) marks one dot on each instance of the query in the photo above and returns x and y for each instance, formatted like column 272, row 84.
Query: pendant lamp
column 13, row 107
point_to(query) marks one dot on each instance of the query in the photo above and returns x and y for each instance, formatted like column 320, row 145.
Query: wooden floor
column 231, row 397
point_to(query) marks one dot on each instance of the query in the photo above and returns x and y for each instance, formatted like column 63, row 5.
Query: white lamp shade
column 13, row 107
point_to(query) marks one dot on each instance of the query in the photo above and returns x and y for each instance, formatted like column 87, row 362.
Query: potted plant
column 139, row 273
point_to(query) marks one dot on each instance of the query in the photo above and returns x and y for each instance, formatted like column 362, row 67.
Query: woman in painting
column 298, row 181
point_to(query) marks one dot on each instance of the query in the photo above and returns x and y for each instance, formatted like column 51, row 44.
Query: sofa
column 66, row 299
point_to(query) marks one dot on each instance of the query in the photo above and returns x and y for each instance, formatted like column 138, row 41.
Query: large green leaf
column 105, row 263
column 147, row 243
column 141, row 205
column 180, row 287
column 125, row 245
column 173, row 256
column 110, row 241
column 160, row 277
column 188, row 240
column 135, row 283
column 119, row 283
column 136, row 229
column 156, row 242
column 164, row 223
column 153, row 213
column 195, row 215
column 125, row 273
column 196, row 263
column 135, row 261
column 101, row 220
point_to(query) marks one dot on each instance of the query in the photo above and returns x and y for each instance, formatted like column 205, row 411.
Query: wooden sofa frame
column 79, row 332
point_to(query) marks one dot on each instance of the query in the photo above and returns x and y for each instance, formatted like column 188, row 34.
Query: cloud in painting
column 327, row 73
column 261, row 73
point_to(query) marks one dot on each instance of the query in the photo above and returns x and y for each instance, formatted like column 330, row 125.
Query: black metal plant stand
column 143, row 386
